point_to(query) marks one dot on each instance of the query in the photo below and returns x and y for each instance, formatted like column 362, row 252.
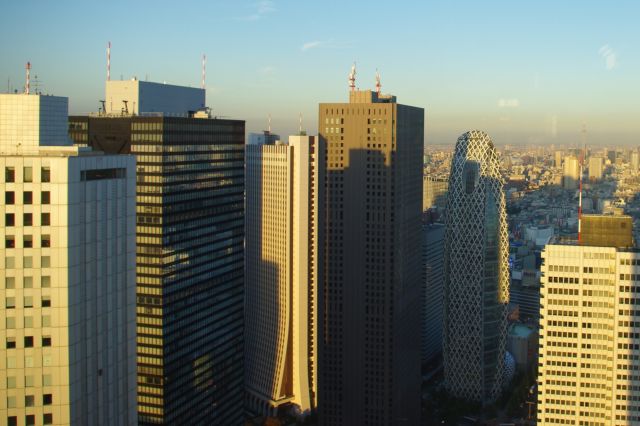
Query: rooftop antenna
column 378, row 84
column 584, row 150
column 27, row 87
column 269, row 124
column 352, row 77
column 300, row 118
column 126, row 106
column 104, row 108
column 204, row 70
column 109, row 61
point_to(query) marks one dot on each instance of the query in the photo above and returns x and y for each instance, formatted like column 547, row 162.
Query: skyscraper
column 476, row 272
column 283, row 266
column 67, row 280
column 432, row 297
column 190, row 256
column 590, row 312
column 595, row 168
column 369, row 371
column 571, row 173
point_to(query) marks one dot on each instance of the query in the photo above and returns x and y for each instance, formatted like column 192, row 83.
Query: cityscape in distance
column 217, row 214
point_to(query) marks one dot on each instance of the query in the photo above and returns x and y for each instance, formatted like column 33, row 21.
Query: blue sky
column 525, row 72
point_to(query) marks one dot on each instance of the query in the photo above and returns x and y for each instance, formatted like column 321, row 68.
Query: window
column 11, row 322
column 46, row 360
column 29, row 400
column 46, row 321
column 27, row 197
column 45, row 261
column 30, row 420
column 9, row 197
column 28, row 301
column 9, row 219
column 47, row 419
column 28, row 380
column 46, row 301
column 45, row 174
column 27, row 241
column 27, row 262
column 45, row 197
column 46, row 241
column 27, row 282
column 9, row 241
column 28, row 322
column 11, row 342
column 12, row 420
column 28, row 361
column 47, row 399
column 9, row 262
column 11, row 402
column 27, row 174
column 47, row 380
column 11, row 382
column 10, row 282
column 9, row 174
column 27, row 219
column 28, row 341
column 45, row 281
column 45, row 219
column 46, row 340
column 10, row 302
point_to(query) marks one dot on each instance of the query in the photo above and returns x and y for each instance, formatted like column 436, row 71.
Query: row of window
column 27, row 174
column 30, row 420
column 30, row 400
column 27, row 219
column 27, row 241
column 28, row 342
column 10, row 302
column 27, row 282
column 27, row 197
column 27, row 262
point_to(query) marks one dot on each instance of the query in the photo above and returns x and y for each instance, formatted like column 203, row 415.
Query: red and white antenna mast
column 352, row 77
column 204, row 70
column 109, row 61
column 584, row 152
column 27, row 85
column 378, row 84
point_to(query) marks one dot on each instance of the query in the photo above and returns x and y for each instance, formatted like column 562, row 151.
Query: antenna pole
column 352, row 77
column 378, row 84
column 204, row 70
column 300, row 118
column 27, row 87
column 269, row 124
column 109, row 61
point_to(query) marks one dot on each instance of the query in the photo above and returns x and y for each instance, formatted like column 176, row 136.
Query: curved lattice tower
column 476, row 272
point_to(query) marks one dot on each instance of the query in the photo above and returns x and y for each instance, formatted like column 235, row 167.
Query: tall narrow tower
column 476, row 272
column 369, row 367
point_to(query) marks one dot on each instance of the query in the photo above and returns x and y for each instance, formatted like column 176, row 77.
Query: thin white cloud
column 609, row 56
column 262, row 9
column 508, row 103
column 327, row 44
column 267, row 70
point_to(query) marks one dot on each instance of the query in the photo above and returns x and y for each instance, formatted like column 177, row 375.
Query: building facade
column 190, row 260
column 283, row 266
column 570, row 172
column 67, row 277
column 476, row 272
column 433, row 292
column 434, row 192
column 589, row 352
column 369, row 369
column 595, row 168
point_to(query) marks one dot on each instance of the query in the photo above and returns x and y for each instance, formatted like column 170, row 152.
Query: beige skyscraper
column 67, row 273
column 571, row 172
column 369, row 369
column 590, row 313
column 283, row 266
column 595, row 168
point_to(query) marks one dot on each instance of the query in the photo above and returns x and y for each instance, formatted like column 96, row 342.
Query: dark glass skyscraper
column 190, row 214
column 369, row 370
column 476, row 287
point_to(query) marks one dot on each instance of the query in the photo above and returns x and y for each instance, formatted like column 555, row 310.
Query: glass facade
column 190, row 219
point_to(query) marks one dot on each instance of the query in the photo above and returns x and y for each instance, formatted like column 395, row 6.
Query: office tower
column 589, row 348
column 571, row 173
column 434, row 192
column 432, row 296
column 190, row 257
column 476, row 272
column 369, row 367
column 67, row 281
column 595, row 169
column 282, row 272
column 265, row 137
column 635, row 160
column 558, row 159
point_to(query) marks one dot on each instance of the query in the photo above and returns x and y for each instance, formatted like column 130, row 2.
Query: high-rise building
column 369, row 367
column 67, row 280
column 432, row 296
column 595, row 168
column 265, row 137
column 571, row 172
column 635, row 160
column 476, row 272
column 190, row 258
column 558, row 158
column 434, row 192
column 283, row 267
column 589, row 348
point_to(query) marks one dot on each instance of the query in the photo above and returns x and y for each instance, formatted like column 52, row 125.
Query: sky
column 527, row 72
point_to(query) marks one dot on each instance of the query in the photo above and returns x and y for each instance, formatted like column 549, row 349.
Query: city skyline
column 525, row 74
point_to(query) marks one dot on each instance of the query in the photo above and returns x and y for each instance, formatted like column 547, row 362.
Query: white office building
column 67, row 273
